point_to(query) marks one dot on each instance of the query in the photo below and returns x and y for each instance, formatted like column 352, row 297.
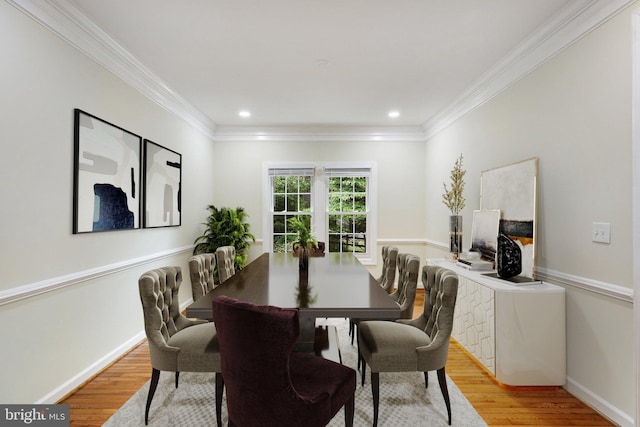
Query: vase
column 303, row 258
column 455, row 235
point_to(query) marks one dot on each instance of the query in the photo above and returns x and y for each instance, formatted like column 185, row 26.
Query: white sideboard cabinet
column 517, row 332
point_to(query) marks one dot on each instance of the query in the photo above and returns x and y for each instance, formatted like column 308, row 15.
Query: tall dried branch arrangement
column 452, row 198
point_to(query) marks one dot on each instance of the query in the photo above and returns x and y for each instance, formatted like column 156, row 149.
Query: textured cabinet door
column 517, row 333
column 474, row 321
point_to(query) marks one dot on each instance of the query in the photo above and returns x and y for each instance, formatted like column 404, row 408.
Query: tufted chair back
column 226, row 256
column 389, row 264
column 267, row 383
column 436, row 320
column 442, row 294
column 421, row 344
column 405, row 295
column 401, row 265
column 162, row 318
column 176, row 343
column 201, row 271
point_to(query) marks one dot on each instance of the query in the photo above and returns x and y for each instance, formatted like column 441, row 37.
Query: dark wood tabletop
column 338, row 285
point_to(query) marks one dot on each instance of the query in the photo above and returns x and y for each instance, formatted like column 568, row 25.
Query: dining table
column 335, row 285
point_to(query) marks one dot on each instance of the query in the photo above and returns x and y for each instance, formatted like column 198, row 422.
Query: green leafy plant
column 452, row 198
column 304, row 238
column 226, row 227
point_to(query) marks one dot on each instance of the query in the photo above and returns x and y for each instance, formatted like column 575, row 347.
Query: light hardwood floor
column 93, row 403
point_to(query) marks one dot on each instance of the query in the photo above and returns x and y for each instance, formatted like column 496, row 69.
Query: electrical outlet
column 601, row 232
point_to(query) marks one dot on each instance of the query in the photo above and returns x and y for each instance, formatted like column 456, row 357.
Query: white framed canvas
column 512, row 190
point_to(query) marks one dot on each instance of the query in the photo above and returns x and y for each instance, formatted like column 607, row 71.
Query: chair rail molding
column 27, row 291
column 607, row 289
column 556, row 277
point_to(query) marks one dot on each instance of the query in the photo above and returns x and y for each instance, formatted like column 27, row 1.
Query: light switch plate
column 601, row 232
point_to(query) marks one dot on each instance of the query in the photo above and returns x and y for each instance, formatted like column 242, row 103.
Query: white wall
column 574, row 114
column 52, row 341
column 238, row 175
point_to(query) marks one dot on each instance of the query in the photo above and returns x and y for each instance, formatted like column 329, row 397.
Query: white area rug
column 404, row 401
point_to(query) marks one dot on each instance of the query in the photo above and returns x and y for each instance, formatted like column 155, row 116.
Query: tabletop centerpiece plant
column 455, row 202
column 304, row 241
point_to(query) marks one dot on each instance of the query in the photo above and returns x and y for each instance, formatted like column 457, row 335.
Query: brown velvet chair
column 176, row 344
column 421, row 344
column 269, row 385
column 202, row 272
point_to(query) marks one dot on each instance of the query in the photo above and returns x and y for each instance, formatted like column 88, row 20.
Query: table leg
column 307, row 336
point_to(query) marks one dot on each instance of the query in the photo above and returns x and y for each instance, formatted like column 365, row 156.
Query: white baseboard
column 85, row 375
column 599, row 404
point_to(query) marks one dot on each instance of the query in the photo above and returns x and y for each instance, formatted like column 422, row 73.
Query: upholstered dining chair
column 176, row 344
column 266, row 383
column 421, row 344
column 202, row 273
column 405, row 294
column 389, row 261
column 226, row 256
column 401, row 264
column 387, row 277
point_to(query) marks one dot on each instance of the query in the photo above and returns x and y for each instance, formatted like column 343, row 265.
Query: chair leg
column 426, row 379
column 364, row 369
column 155, row 376
column 352, row 330
column 177, row 376
column 219, row 391
column 442, row 380
column 349, row 410
column 375, row 391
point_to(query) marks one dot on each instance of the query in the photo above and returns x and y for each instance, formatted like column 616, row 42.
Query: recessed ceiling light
column 394, row 114
column 244, row 113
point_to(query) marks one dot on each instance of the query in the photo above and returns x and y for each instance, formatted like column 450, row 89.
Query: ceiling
column 313, row 64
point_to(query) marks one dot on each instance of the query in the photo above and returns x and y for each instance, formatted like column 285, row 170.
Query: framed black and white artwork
column 106, row 188
column 162, row 185
column 512, row 190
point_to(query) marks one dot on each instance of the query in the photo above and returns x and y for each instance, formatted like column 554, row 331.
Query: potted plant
column 226, row 227
column 304, row 240
column 454, row 200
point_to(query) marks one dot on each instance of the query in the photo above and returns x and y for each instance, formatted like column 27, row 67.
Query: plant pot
column 455, row 235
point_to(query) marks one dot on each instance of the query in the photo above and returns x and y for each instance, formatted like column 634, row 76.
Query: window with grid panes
column 348, row 210
column 291, row 191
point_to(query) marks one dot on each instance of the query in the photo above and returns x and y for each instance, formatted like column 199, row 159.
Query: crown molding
column 575, row 20
column 319, row 133
column 68, row 22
